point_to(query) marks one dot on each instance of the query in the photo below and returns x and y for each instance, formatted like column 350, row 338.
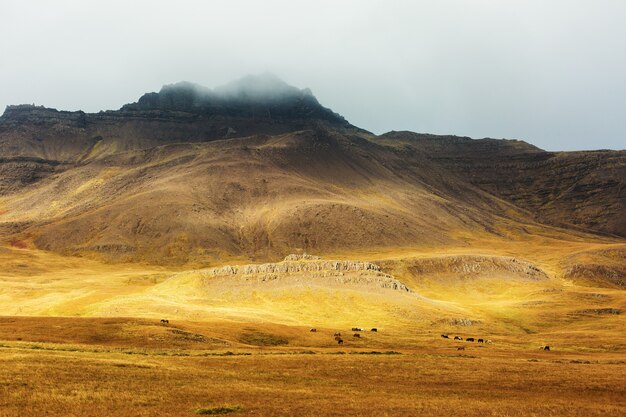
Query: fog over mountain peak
column 263, row 95
column 264, row 86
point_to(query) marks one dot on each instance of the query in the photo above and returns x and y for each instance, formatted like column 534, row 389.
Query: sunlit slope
column 463, row 290
column 253, row 198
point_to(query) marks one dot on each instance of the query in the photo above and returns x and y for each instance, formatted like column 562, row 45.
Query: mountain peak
column 262, row 96
column 265, row 86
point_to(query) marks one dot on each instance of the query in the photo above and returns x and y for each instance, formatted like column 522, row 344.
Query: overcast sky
column 550, row 72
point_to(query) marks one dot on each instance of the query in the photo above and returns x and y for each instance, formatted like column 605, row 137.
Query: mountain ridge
column 201, row 182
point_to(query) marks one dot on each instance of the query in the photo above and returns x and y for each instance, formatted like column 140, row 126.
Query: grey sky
column 550, row 72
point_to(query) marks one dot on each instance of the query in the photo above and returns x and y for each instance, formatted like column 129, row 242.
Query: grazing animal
column 357, row 329
column 340, row 341
column 445, row 336
column 356, row 335
column 165, row 321
column 469, row 339
column 337, row 334
column 458, row 338
column 488, row 341
column 337, row 338
column 313, row 330
column 480, row 341
column 460, row 348
column 546, row 347
column 374, row 329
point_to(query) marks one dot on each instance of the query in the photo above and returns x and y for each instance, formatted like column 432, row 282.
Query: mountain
column 260, row 98
column 586, row 190
column 182, row 112
column 258, row 169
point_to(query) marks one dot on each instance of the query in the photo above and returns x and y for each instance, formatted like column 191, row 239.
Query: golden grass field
column 80, row 337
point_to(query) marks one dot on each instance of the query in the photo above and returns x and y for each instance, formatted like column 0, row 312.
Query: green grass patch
column 262, row 339
column 224, row 409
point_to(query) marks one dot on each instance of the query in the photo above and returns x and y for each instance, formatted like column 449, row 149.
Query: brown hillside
column 190, row 175
column 256, row 197
column 581, row 189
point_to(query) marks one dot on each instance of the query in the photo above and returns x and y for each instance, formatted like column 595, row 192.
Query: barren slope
column 262, row 196
column 572, row 189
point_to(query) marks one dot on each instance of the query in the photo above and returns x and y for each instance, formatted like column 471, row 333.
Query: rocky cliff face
column 181, row 112
column 261, row 97
column 309, row 270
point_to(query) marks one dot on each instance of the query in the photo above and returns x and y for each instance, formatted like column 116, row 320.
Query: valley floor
column 100, row 377
column 79, row 337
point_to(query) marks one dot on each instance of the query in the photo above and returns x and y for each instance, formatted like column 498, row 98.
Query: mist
column 551, row 73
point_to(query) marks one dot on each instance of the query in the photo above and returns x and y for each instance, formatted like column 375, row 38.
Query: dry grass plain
column 109, row 383
column 79, row 337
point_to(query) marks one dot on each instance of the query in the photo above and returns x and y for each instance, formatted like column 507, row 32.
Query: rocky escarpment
column 308, row 268
column 182, row 112
column 468, row 267
column 254, row 97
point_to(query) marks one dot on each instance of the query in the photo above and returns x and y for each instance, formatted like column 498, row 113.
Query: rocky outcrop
column 311, row 270
column 460, row 322
column 290, row 267
column 597, row 312
column 469, row 266
column 303, row 257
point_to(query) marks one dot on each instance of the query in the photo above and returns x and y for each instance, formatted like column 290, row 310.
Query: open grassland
column 78, row 380
column 79, row 337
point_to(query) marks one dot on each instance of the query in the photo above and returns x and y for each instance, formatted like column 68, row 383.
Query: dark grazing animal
column 458, row 338
column 356, row 335
column 357, row 329
column 165, row 321
column 480, row 341
column 374, row 329
column 340, row 341
column 469, row 339
column 445, row 336
column 337, row 338
column 313, row 330
column 337, row 334
column 546, row 347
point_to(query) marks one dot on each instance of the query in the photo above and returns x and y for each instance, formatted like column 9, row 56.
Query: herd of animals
column 357, row 335
column 358, row 330
column 468, row 339
column 480, row 340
